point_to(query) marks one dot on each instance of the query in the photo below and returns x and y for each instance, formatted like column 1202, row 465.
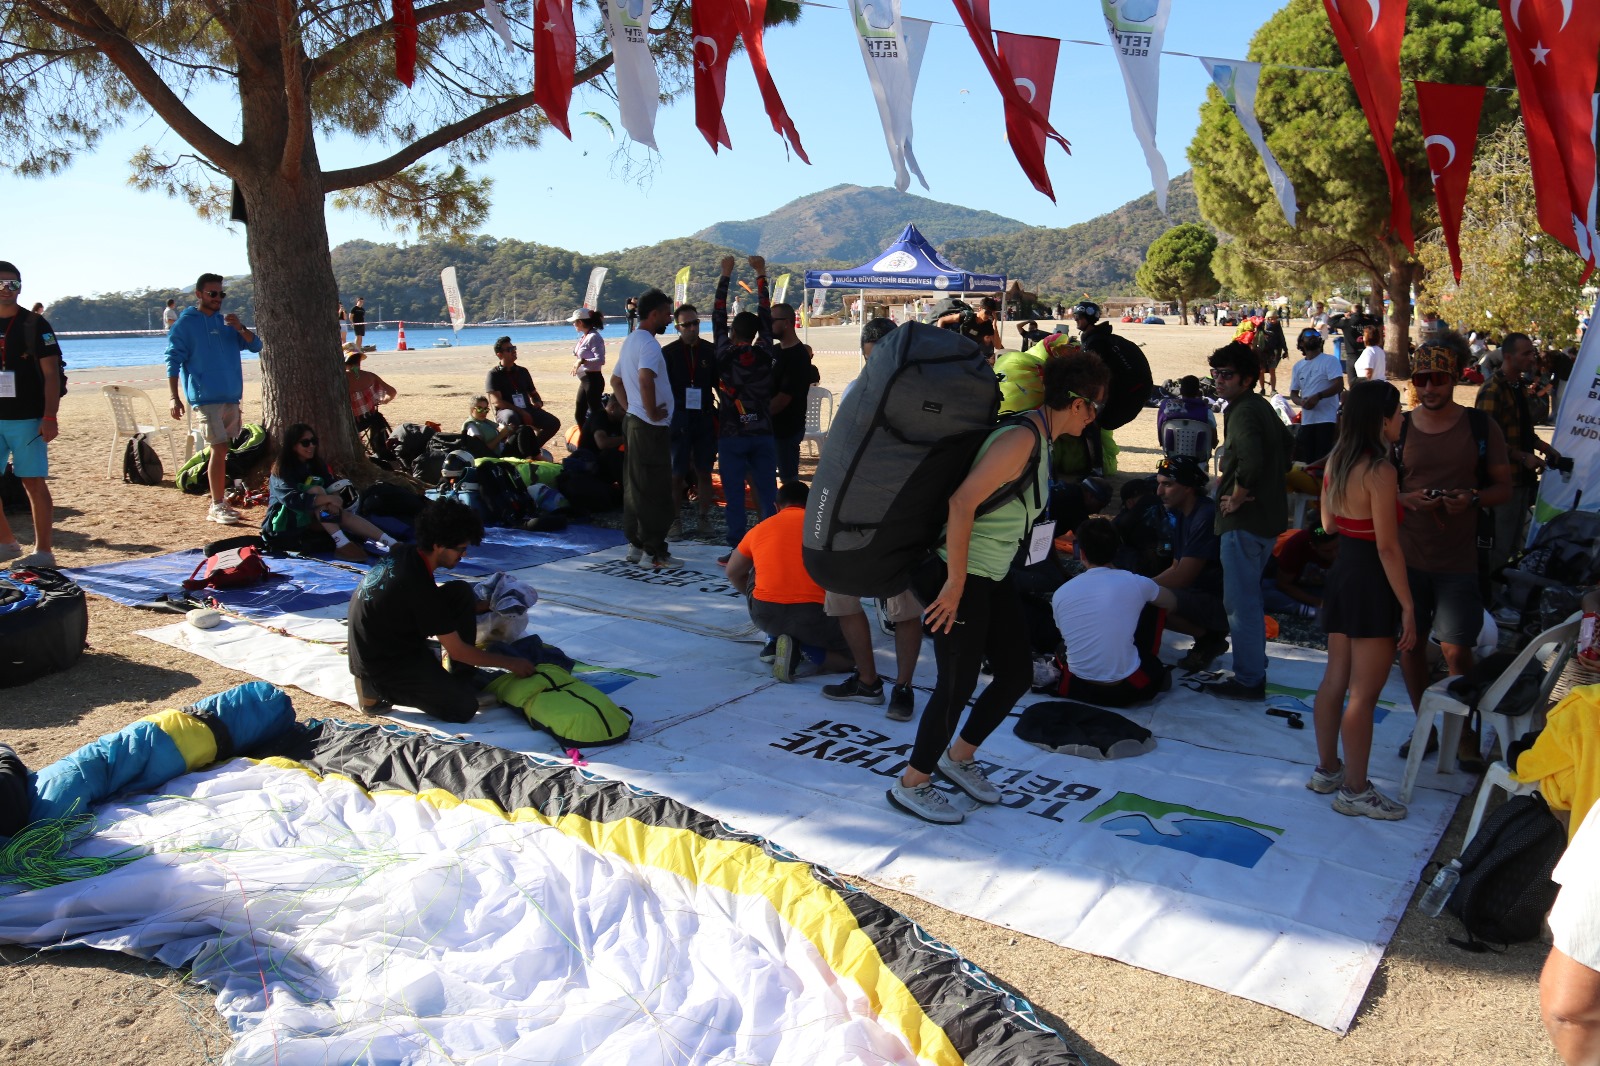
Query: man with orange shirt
column 784, row 601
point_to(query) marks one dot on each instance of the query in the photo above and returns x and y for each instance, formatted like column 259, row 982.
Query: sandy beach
column 1429, row 1001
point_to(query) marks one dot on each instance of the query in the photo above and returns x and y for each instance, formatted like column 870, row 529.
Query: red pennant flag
column 1369, row 33
column 555, row 52
column 1030, row 63
column 715, row 25
column 1555, row 49
column 1449, row 115
column 405, row 41
column 975, row 16
column 755, row 23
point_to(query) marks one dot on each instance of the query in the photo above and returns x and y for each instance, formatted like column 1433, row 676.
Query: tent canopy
column 910, row 263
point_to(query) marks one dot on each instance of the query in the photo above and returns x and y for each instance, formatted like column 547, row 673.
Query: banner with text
column 1577, row 438
column 680, row 288
column 893, row 61
column 452, row 298
column 1236, row 81
column 591, row 295
column 638, row 87
column 1137, row 30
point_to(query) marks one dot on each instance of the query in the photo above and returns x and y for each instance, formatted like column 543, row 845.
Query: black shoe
column 1431, row 749
column 1231, row 689
column 855, row 690
column 1206, row 648
column 769, row 650
column 902, row 703
column 722, row 560
column 368, row 701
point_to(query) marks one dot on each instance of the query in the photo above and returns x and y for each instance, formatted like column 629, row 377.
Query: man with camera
column 1452, row 467
column 1503, row 399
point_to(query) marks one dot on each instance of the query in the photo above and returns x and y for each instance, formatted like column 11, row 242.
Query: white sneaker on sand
column 968, row 777
column 926, row 802
column 36, row 559
column 223, row 515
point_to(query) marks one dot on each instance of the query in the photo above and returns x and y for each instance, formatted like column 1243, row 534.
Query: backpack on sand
column 1505, row 889
column 900, row 444
column 140, row 463
column 236, row 562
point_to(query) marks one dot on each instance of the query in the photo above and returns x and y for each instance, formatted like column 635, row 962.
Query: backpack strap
column 1400, row 451
column 1479, row 421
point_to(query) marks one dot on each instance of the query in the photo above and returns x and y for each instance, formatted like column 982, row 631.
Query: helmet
column 456, row 464
column 1308, row 340
column 1087, row 308
column 345, row 491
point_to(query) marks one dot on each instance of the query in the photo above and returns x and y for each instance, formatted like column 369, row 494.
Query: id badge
column 8, row 384
column 520, row 400
column 1040, row 542
column 692, row 399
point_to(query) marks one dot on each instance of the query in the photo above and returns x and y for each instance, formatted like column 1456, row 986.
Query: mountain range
column 839, row 227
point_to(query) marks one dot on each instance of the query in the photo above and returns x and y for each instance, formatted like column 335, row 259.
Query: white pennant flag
column 892, row 48
column 591, row 295
column 1236, row 81
column 497, row 20
column 452, row 299
column 1137, row 29
column 638, row 88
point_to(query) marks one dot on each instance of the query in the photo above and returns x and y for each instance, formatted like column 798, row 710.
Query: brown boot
column 369, row 702
column 350, row 552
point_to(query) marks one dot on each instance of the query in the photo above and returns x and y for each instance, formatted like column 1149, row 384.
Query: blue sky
column 87, row 231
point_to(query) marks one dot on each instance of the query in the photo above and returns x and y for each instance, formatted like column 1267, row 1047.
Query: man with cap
column 1453, row 465
column 1195, row 574
column 1314, row 385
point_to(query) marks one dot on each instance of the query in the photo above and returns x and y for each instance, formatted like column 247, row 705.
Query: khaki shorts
column 901, row 608
column 221, row 422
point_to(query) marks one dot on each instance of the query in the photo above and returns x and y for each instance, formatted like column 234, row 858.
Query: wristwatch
column 1475, row 500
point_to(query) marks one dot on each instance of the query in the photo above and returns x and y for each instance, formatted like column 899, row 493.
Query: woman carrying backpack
column 1368, row 598
column 300, row 503
column 974, row 611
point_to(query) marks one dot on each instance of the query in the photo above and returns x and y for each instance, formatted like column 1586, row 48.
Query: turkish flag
column 1555, row 49
column 1369, row 33
column 1449, row 115
column 715, row 25
column 1030, row 63
column 754, row 25
column 555, row 52
column 975, row 16
column 405, row 41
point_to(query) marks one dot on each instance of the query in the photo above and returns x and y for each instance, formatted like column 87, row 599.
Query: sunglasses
column 1093, row 405
column 307, row 442
column 689, row 325
column 215, row 294
column 1435, row 377
column 10, row 285
column 1223, row 373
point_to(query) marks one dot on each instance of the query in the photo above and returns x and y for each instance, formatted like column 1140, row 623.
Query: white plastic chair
column 1555, row 645
column 134, row 412
column 816, row 424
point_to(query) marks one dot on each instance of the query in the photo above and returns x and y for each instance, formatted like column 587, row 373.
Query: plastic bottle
column 1444, row 883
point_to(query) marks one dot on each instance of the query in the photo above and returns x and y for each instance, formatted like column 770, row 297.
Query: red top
column 1360, row 528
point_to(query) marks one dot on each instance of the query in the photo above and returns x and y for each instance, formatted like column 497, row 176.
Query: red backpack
column 230, row 564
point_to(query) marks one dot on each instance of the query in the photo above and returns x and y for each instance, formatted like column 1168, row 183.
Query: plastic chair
column 1498, row 776
column 1189, row 436
column 816, row 424
column 134, row 412
column 1437, row 701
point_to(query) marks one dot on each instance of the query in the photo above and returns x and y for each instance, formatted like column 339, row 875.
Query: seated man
column 602, row 438
column 904, row 613
column 1110, row 621
column 1195, row 574
column 784, row 601
column 1301, row 559
column 518, row 404
column 397, row 607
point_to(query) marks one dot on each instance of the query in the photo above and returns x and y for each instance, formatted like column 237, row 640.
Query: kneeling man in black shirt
column 397, row 608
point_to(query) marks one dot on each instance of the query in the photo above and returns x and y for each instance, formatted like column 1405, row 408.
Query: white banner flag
column 497, row 20
column 1137, row 28
column 892, row 48
column 1236, row 81
column 817, row 301
column 591, row 296
column 638, row 88
column 1577, row 438
column 452, row 298
column 780, row 291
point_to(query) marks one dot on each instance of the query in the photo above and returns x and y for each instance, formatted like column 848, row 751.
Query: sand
column 1428, row 1002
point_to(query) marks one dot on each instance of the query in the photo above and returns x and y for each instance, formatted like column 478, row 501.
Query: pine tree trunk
column 296, row 295
column 1183, row 311
column 1397, row 331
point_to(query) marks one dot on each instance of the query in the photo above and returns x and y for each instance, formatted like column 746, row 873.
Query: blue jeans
column 1244, row 557
column 757, row 457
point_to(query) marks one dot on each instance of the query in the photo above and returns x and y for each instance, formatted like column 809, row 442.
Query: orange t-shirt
column 774, row 546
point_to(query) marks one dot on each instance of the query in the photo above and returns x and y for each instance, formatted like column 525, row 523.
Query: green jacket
column 1255, row 454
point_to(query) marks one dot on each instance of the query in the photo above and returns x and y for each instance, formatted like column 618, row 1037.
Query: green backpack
column 243, row 452
column 574, row 712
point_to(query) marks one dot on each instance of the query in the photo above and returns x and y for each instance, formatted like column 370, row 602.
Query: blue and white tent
column 911, row 264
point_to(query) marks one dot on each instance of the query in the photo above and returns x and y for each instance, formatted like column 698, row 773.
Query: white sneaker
column 969, row 778
column 1326, row 781
column 668, row 562
column 1368, row 804
column 926, row 802
column 633, row 556
column 36, row 559
column 223, row 515
column 10, row 551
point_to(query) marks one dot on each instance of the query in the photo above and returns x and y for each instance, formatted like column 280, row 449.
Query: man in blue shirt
column 1195, row 576
column 204, row 347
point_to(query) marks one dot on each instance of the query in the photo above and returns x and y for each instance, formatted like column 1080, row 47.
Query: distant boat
column 442, row 342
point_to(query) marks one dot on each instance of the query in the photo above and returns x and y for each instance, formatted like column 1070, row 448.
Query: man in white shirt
column 169, row 315
column 1315, row 385
column 640, row 383
column 1110, row 621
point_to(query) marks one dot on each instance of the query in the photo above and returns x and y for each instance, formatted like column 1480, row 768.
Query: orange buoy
column 400, row 347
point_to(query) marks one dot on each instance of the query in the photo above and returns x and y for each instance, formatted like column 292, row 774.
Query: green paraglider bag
column 574, row 712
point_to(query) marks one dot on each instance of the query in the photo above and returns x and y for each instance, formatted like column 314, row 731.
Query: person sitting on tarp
column 398, row 607
column 304, row 510
column 784, row 601
column 1300, row 561
column 1110, row 621
column 1195, row 573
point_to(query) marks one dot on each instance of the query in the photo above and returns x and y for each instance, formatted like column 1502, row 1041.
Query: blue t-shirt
column 1195, row 537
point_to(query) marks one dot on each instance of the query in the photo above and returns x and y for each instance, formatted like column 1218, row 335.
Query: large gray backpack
column 899, row 446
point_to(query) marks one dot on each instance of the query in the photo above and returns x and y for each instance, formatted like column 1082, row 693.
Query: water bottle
column 1444, row 883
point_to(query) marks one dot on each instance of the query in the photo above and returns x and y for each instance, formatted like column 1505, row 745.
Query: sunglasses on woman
column 307, row 442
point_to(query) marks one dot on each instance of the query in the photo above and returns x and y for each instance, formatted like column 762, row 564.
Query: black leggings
column 989, row 623
column 591, row 386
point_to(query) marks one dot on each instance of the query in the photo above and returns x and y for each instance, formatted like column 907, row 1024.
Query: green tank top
column 996, row 536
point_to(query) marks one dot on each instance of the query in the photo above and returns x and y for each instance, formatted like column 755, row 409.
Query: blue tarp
column 306, row 584
column 909, row 263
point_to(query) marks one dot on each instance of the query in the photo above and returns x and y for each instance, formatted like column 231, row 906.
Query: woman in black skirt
column 1368, row 599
